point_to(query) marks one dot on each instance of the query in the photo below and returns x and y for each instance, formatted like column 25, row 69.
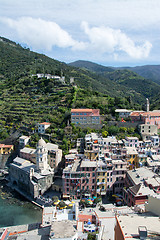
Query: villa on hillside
column 85, row 116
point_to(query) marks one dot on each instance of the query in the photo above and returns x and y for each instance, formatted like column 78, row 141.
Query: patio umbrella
column 67, row 202
column 70, row 205
column 56, row 203
column 89, row 223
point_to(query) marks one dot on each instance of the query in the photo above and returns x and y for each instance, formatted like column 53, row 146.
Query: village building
column 147, row 130
column 42, row 127
column 123, row 113
column 33, row 179
column 136, row 190
column 79, row 179
column 23, row 141
column 54, row 155
column 6, row 149
column 137, row 226
column 85, row 116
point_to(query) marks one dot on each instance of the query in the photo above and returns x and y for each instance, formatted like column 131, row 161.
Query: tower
column 42, row 159
column 147, row 105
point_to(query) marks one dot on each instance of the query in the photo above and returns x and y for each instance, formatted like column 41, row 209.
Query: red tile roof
column 3, row 145
column 92, row 112
column 45, row 123
column 136, row 114
column 153, row 114
column 81, row 110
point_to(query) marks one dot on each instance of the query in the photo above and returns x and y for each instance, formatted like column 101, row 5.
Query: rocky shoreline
column 12, row 197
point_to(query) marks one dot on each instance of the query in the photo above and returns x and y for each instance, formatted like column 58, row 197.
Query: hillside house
column 85, row 116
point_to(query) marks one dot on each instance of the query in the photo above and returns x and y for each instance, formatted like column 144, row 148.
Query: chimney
column 142, row 232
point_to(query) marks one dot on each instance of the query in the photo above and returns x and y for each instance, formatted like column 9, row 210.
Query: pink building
column 118, row 175
column 79, row 179
column 152, row 117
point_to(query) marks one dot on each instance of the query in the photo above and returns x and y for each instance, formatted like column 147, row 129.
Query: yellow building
column 101, row 180
column 6, row 149
column 132, row 157
column 91, row 154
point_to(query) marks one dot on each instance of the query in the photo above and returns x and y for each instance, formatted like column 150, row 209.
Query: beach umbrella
column 67, row 202
column 70, row 205
column 56, row 203
column 89, row 223
column 73, row 202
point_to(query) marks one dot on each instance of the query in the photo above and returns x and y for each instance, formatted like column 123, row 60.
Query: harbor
column 15, row 209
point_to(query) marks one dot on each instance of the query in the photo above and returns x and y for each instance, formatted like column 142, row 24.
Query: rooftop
column 88, row 163
column 45, row 123
column 24, row 137
column 63, row 229
column 139, row 174
column 28, row 150
column 22, row 164
column 129, row 225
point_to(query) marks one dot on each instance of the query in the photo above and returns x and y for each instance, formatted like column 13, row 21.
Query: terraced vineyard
column 30, row 106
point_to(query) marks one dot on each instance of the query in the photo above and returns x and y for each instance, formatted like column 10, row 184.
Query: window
column 98, row 180
column 116, row 178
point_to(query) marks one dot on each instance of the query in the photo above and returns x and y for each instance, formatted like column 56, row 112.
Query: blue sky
column 108, row 32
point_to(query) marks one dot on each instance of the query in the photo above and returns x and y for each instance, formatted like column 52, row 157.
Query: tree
column 104, row 134
column 113, row 130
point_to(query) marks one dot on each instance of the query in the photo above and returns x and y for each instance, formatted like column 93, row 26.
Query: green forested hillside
column 129, row 81
column 26, row 100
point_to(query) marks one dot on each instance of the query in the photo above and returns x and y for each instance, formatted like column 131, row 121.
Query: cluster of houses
column 127, row 167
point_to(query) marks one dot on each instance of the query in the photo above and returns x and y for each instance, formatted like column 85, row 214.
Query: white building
column 42, row 127
column 23, row 140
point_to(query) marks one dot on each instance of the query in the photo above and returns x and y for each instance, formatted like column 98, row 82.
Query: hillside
column 18, row 64
column 26, row 100
column 151, row 72
column 128, row 81
column 94, row 67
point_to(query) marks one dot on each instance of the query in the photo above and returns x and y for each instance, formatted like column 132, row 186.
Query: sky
column 108, row 32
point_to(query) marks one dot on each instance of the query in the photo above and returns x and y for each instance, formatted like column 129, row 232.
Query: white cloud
column 41, row 34
column 109, row 40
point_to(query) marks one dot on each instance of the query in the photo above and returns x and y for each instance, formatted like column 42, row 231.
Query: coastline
column 16, row 209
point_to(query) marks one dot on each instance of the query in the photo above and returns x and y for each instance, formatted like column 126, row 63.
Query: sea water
column 15, row 211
